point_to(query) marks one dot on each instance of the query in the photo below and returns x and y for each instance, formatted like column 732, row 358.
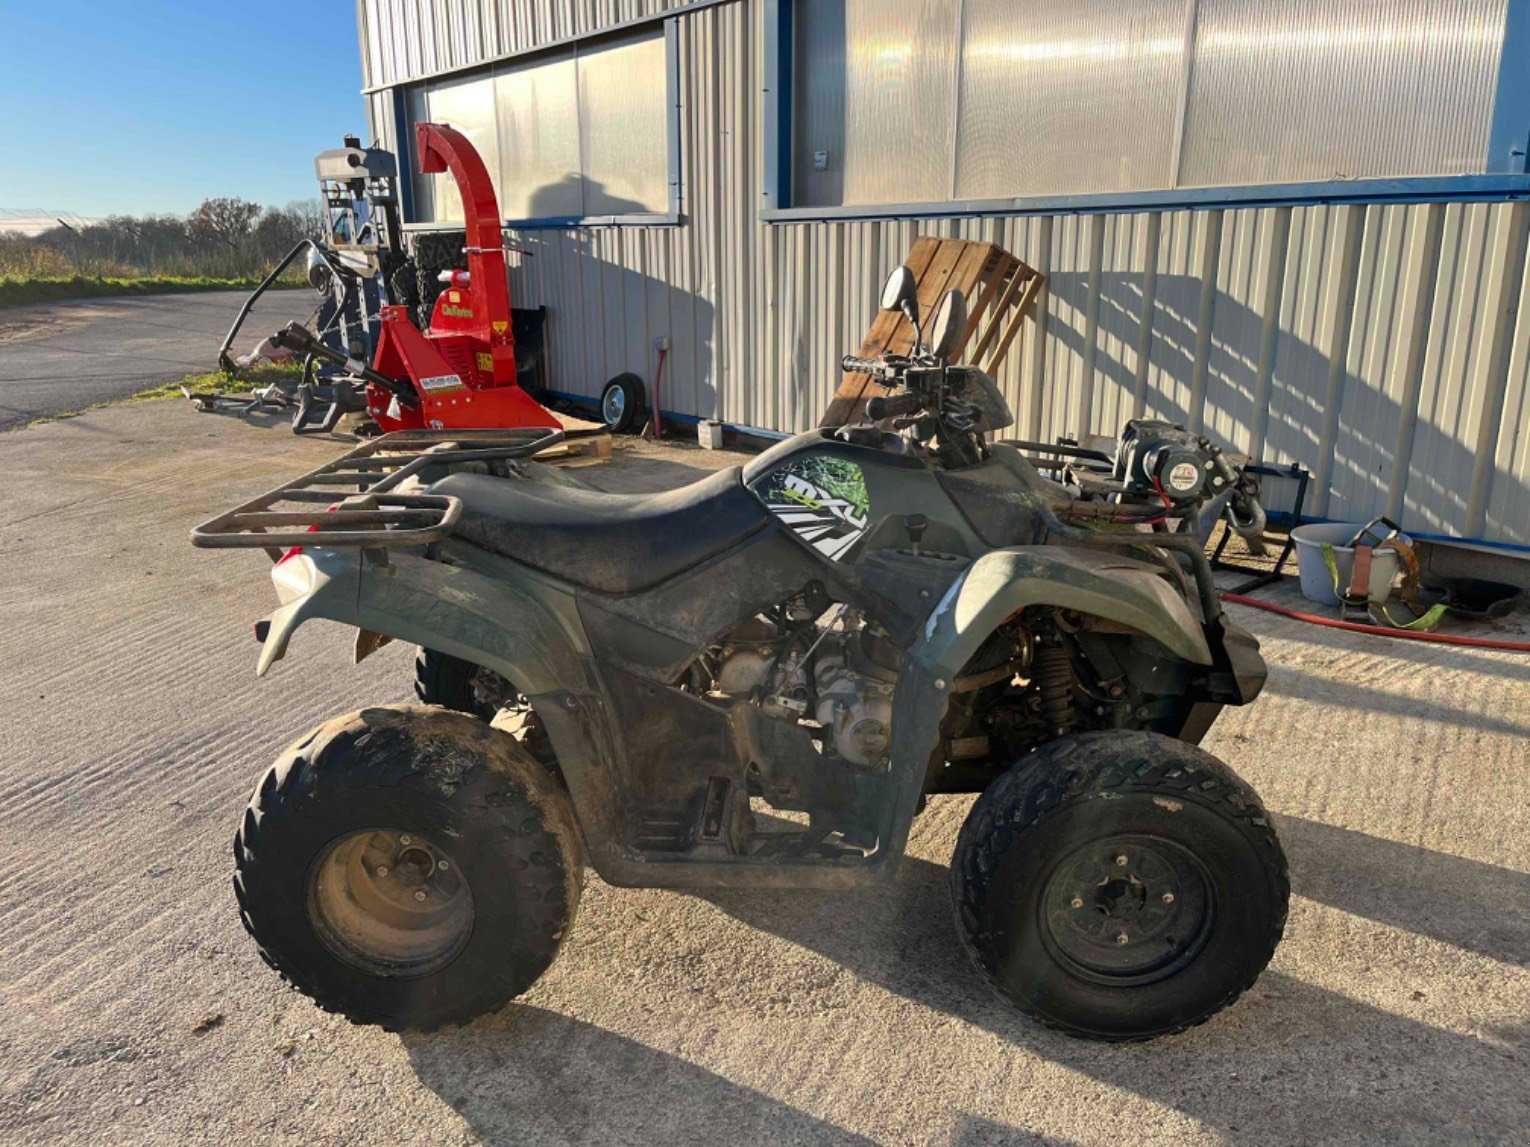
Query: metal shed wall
column 1385, row 347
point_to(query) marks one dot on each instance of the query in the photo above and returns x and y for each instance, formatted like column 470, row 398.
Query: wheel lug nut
column 1123, row 938
column 1076, row 902
column 382, row 870
column 405, row 840
column 443, row 866
column 1168, row 898
column 420, row 895
column 1121, row 861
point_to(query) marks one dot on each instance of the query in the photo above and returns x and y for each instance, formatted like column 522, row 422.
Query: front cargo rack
column 355, row 500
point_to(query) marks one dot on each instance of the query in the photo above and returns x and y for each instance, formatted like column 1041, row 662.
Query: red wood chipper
column 459, row 373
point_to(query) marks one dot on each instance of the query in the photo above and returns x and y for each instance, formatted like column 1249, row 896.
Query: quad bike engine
column 834, row 671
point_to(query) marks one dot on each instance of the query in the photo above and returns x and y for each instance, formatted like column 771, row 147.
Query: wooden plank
column 964, row 278
column 1032, row 289
column 577, row 451
column 1001, row 267
column 1016, row 282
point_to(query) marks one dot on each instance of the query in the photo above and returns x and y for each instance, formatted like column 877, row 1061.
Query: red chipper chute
column 463, row 367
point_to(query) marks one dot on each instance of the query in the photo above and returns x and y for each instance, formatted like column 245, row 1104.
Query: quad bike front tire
column 1119, row 885
column 408, row 867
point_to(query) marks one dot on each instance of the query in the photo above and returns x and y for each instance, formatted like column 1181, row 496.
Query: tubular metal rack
column 354, row 500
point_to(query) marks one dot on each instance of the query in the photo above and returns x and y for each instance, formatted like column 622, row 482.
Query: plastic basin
column 1317, row 582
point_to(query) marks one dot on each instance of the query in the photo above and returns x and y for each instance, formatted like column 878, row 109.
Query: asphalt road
column 133, row 1008
column 56, row 358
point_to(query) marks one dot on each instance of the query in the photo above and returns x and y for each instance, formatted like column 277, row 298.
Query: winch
column 1159, row 457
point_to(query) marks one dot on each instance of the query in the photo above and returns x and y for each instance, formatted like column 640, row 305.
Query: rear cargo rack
column 354, row 500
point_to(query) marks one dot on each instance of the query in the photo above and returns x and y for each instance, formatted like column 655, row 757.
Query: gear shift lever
column 915, row 524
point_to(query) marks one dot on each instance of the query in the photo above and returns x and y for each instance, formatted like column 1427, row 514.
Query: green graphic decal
column 822, row 499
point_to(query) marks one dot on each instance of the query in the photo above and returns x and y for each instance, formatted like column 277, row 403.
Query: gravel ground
column 136, row 1011
column 61, row 357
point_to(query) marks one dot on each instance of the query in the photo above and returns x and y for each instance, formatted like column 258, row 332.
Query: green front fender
column 1003, row 582
column 527, row 632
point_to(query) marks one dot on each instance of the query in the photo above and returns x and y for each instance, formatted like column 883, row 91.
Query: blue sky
column 138, row 106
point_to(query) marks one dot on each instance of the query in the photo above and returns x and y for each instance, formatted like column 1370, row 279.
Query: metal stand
column 1267, row 577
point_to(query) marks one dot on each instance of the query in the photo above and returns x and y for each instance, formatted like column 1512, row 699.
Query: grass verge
column 213, row 382
column 16, row 292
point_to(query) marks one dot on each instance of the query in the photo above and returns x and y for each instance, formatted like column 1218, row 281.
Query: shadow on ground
column 1321, row 1060
column 531, row 1075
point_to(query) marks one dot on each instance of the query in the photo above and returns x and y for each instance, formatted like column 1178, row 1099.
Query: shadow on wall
column 610, row 292
column 1361, row 462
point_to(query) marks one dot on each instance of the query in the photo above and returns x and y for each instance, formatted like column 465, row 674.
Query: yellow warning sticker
column 500, row 326
column 485, row 361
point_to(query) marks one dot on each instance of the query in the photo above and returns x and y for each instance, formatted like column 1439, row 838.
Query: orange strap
column 1360, row 576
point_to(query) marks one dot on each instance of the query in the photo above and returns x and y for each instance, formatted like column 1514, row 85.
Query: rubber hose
column 1380, row 630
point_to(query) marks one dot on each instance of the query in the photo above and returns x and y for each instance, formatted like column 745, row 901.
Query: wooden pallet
column 1000, row 290
column 584, row 443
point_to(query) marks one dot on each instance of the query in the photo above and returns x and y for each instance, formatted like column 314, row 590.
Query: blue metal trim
column 570, row 223
column 1284, row 518
column 593, row 403
column 564, row 222
column 776, row 106
column 398, row 104
column 1509, row 137
column 1432, row 189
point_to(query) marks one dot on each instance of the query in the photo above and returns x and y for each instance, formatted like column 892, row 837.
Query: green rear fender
column 1003, row 582
column 526, row 631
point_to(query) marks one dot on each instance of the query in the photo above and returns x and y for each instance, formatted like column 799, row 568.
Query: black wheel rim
column 389, row 903
column 1127, row 910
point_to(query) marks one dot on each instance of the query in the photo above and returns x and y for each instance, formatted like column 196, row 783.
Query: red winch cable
column 1380, row 630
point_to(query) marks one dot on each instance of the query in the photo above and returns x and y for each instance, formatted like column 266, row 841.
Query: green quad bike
column 756, row 681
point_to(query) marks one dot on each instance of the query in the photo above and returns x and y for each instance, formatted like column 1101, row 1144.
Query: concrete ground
column 135, row 1010
column 61, row 357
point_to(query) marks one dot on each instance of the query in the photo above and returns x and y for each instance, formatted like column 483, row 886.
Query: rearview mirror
column 901, row 293
column 950, row 324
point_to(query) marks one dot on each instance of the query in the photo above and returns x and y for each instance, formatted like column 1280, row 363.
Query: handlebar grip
column 853, row 364
column 892, row 405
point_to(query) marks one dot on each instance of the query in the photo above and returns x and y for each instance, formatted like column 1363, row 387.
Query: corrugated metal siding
column 1384, row 346
column 406, row 39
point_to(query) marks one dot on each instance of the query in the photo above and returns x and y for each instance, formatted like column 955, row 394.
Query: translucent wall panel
column 899, row 94
column 623, row 126
column 424, row 185
column 468, row 106
column 818, row 105
column 1064, row 96
column 539, row 139
column 1291, row 90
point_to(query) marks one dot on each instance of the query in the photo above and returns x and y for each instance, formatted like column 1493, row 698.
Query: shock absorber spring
column 1052, row 670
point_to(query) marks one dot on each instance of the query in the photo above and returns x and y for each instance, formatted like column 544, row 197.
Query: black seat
column 611, row 543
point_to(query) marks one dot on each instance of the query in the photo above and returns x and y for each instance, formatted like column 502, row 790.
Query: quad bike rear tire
column 408, row 867
column 1119, row 885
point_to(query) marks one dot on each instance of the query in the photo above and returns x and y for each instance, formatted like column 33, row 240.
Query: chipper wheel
column 1119, row 885
column 408, row 867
